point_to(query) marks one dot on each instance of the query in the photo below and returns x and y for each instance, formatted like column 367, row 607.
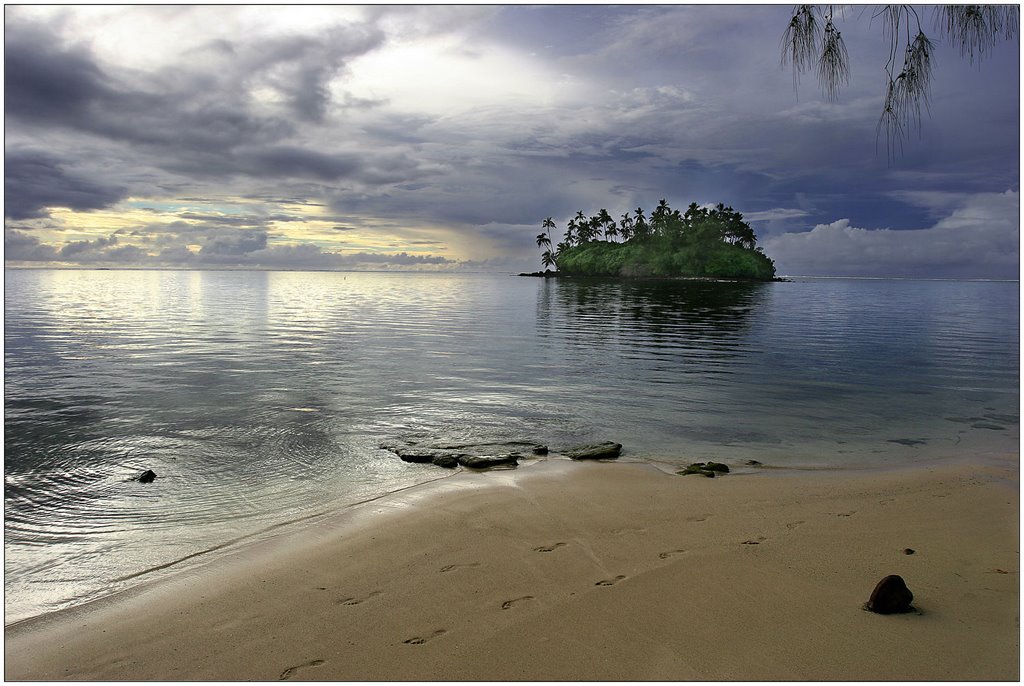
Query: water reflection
column 258, row 396
column 690, row 326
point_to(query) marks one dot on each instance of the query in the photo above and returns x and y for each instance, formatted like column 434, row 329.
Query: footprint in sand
column 419, row 640
column 669, row 553
column 754, row 541
column 548, row 548
column 610, row 582
column 509, row 603
column 793, row 525
column 287, row 674
column 356, row 601
column 698, row 518
column 464, row 565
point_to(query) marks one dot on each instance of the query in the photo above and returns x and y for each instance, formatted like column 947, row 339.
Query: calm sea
column 262, row 397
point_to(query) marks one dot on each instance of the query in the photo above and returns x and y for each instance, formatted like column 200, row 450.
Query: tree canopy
column 700, row 242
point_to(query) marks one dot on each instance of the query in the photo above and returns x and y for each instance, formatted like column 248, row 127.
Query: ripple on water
column 260, row 397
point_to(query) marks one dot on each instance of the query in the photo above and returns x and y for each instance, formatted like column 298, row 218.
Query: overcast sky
column 424, row 137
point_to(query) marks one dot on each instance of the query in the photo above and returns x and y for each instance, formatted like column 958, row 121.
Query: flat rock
column 478, row 455
column 596, row 451
column 485, row 461
column 696, row 469
column 891, row 596
column 446, row 461
column 423, row 455
column 705, row 469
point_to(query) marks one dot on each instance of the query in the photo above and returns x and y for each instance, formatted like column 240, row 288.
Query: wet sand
column 584, row 571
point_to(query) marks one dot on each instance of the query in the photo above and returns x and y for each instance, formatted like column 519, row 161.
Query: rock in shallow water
column 705, row 469
column 447, row 461
column 489, row 454
column 891, row 596
column 146, row 476
column 485, row 461
column 596, row 451
column 474, row 455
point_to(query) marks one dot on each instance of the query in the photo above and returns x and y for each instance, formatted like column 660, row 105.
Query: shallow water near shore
column 262, row 397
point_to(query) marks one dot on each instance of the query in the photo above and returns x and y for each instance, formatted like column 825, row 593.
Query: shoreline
column 340, row 509
column 583, row 571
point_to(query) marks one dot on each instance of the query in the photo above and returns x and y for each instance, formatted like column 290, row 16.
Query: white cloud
column 775, row 214
column 979, row 239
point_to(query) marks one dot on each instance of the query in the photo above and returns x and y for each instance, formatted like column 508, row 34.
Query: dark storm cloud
column 625, row 106
column 293, row 161
column 234, row 244
column 34, row 181
column 78, row 248
column 189, row 123
column 44, row 82
column 19, row 246
column 50, row 85
column 305, row 64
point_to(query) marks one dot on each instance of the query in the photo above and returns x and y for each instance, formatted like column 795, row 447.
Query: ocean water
column 263, row 397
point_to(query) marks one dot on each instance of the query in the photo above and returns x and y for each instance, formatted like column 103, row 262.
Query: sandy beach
column 584, row 571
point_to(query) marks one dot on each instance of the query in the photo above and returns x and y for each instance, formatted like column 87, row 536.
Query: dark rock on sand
column 450, row 455
column 697, row 469
column 754, row 463
column 705, row 469
column 146, row 477
column 485, row 461
column 447, row 461
column 422, row 455
column 596, row 451
column 891, row 596
column 908, row 551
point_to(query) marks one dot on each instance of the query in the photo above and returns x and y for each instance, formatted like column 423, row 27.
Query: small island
column 703, row 242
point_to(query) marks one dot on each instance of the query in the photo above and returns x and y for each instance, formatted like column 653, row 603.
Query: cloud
column 775, row 214
column 42, row 81
column 218, row 246
column 232, row 245
column 979, row 239
column 77, row 250
column 19, row 246
column 35, row 181
column 466, row 125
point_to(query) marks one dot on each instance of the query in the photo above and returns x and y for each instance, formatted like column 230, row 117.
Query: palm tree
column 660, row 215
column 582, row 226
column 604, row 221
column 625, row 226
column 611, row 231
column 570, row 232
column 641, row 223
column 547, row 259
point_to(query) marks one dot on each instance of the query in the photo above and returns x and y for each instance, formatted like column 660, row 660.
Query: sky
column 440, row 137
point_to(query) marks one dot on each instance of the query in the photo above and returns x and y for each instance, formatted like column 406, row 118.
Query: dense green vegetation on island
column 701, row 242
